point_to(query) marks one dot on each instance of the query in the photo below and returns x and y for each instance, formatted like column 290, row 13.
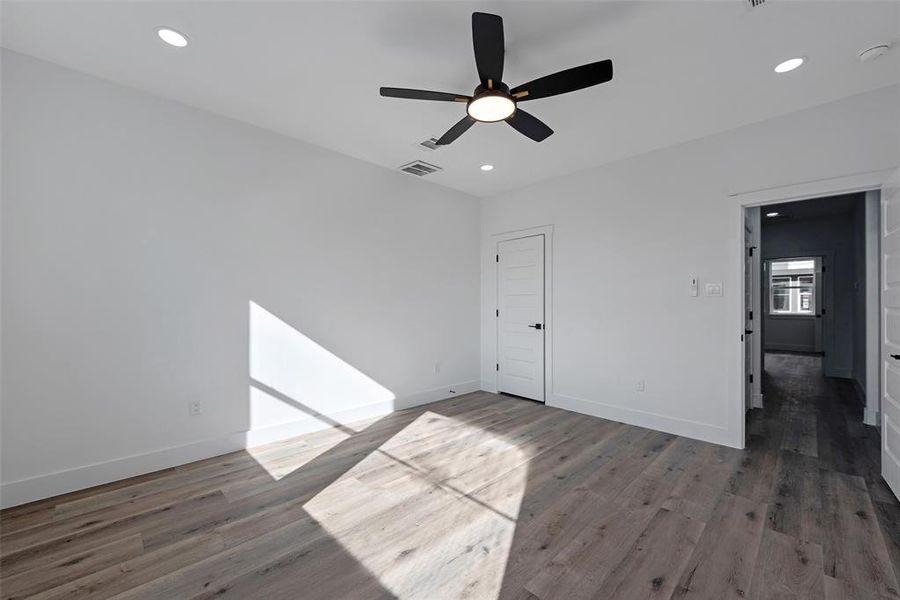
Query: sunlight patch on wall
column 457, row 488
column 293, row 378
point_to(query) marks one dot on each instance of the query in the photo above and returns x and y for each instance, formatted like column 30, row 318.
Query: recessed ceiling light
column 487, row 167
column 772, row 214
column 172, row 37
column 789, row 65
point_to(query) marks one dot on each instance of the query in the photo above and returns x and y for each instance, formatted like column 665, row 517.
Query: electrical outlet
column 195, row 408
column 640, row 385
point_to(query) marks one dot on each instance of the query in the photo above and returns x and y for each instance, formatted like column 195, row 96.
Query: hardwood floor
column 485, row 496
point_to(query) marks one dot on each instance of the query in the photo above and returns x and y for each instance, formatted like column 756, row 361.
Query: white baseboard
column 841, row 373
column 692, row 429
column 283, row 431
column 18, row 492
column 871, row 417
column 789, row 348
column 489, row 386
column 756, row 401
column 441, row 393
column 13, row 493
column 860, row 390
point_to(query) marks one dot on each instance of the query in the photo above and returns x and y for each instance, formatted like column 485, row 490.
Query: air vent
column 754, row 3
column 430, row 143
column 419, row 168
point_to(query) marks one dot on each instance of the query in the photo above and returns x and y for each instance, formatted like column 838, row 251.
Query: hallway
column 811, row 433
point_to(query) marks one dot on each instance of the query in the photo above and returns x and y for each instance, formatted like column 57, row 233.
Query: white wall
column 145, row 244
column 627, row 238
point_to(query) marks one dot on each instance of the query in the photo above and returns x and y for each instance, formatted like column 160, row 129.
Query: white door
column 520, row 317
column 890, row 338
column 752, row 309
column 820, row 270
column 749, row 376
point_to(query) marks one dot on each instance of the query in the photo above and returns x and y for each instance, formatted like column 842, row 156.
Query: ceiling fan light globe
column 490, row 108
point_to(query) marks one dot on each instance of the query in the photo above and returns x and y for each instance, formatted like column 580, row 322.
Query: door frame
column 753, row 214
column 547, row 232
column 739, row 200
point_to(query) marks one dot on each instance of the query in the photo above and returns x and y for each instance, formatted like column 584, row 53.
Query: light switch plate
column 713, row 289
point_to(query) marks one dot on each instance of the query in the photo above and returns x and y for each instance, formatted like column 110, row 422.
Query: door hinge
column 498, row 258
column 823, row 268
column 498, row 366
column 498, row 312
column 751, row 315
column 751, row 377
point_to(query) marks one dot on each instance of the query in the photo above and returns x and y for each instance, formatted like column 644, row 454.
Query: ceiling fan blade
column 487, row 38
column 457, row 130
column 411, row 94
column 529, row 125
column 576, row 78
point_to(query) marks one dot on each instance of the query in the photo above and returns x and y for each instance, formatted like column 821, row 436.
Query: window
column 792, row 286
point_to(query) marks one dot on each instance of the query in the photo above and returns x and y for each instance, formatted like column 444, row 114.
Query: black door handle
column 748, row 331
column 895, row 356
column 536, row 326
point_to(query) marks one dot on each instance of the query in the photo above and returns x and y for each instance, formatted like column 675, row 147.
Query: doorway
column 794, row 304
column 521, row 322
column 826, row 295
column 819, row 297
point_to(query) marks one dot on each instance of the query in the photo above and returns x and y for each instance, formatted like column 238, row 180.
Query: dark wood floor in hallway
column 484, row 497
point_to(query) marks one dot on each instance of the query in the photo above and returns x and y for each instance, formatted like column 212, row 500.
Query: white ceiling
column 312, row 70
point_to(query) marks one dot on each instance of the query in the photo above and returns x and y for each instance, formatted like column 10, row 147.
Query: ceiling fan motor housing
column 491, row 104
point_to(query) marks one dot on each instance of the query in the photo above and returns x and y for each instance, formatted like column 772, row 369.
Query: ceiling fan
column 493, row 100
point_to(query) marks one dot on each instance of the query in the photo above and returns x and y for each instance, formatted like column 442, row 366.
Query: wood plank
column 795, row 499
column 800, row 433
column 788, row 569
column 60, row 571
column 853, row 545
column 655, row 562
column 129, row 574
column 41, row 554
column 888, row 514
column 722, row 563
column 836, row 589
column 752, row 473
column 607, row 534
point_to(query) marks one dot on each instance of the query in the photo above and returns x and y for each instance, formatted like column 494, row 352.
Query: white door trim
column 756, row 396
column 547, row 232
column 872, row 415
column 845, row 184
